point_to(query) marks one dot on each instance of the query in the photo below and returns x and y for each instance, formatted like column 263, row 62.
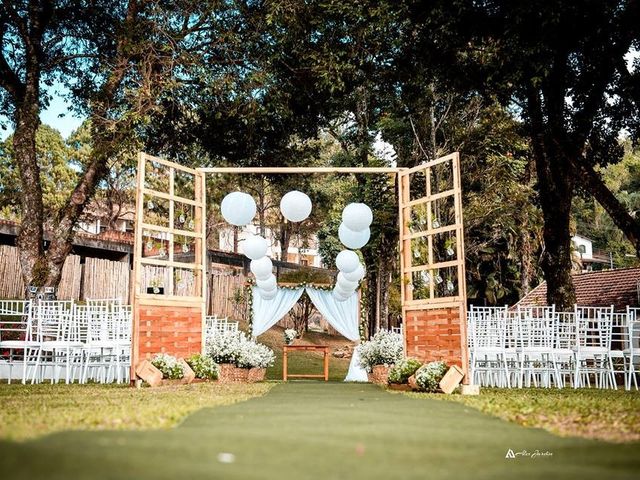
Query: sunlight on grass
column 30, row 411
column 602, row 414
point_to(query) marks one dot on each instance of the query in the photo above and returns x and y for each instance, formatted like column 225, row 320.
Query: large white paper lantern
column 254, row 247
column 343, row 289
column 295, row 206
column 261, row 268
column 344, row 283
column 357, row 216
column 351, row 239
column 347, row 261
column 356, row 275
column 267, row 295
column 341, row 296
column 238, row 208
column 268, row 284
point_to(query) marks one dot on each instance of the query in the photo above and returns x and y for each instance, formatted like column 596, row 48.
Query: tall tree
column 116, row 58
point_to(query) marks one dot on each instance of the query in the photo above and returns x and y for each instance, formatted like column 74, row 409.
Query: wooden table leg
column 284, row 364
column 326, row 364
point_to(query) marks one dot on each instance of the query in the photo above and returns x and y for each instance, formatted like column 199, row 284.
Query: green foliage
column 203, row 366
column 402, row 370
column 306, row 275
column 57, row 174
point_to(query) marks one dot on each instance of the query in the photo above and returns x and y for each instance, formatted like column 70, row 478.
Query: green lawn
column 612, row 415
column 322, row 430
column 29, row 411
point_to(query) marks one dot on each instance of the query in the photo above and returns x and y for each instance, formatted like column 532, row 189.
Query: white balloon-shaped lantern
column 268, row 284
column 347, row 261
column 295, row 206
column 356, row 275
column 268, row 295
column 352, row 239
column 261, row 268
column 345, row 284
column 238, row 208
column 254, row 247
column 357, row 216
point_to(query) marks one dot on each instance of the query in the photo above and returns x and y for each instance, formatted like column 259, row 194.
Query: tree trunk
column 30, row 239
column 285, row 239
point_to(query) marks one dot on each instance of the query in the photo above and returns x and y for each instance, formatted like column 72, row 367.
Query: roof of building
column 599, row 289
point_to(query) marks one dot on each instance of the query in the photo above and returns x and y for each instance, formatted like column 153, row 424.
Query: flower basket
column 412, row 383
column 229, row 373
column 256, row 374
column 379, row 374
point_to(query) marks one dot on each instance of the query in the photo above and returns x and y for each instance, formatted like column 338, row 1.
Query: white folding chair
column 632, row 355
column 564, row 346
column 592, row 346
column 618, row 346
column 487, row 346
column 535, row 347
column 15, row 334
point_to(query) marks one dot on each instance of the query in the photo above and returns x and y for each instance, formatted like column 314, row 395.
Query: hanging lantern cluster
column 354, row 233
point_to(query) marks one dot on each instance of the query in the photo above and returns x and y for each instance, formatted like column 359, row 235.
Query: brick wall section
column 434, row 334
column 173, row 330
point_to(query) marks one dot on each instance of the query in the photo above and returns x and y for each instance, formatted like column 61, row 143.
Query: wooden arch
column 170, row 244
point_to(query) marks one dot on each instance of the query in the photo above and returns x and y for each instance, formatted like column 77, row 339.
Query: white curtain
column 343, row 316
column 267, row 313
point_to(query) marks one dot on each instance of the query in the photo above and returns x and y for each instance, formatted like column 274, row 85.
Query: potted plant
column 379, row 354
column 400, row 373
column 204, row 367
column 156, row 287
column 290, row 335
column 427, row 377
column 173, row 369
column 240, row 359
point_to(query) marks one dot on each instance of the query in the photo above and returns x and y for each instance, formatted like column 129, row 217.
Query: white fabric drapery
column 343, row 316
column 267, row 313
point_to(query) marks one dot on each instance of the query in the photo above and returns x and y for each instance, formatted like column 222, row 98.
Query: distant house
column 598, row 289
column 97, row 218
column 307, row 255
column 589, row 256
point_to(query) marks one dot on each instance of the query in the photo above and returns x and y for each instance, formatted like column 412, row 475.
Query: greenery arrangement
column 402, row 370
column 429, row 375
column 290, row 335
column 238, row 349
column 169, row 366
column 203, row 366
column 384, row 348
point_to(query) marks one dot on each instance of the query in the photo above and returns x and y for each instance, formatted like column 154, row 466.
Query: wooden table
column 288, row 348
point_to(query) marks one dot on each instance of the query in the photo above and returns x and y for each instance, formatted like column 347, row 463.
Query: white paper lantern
column 351, row 239
column 347, row 261
column 295, row 206
column 356, row 275
column 268, row 295
column 344, row 283
column 238, row 208
column 344, row 290
column 268, row 284
column 341, row 297
column 261, row 268
column 357, row 216
column 254, row 247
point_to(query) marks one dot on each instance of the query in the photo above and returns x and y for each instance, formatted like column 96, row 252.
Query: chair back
column 15, row 320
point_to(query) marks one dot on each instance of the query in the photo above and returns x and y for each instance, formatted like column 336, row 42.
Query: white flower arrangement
column 429, row 375
column 238, row 349
column 290, row 335
column 169, row 366
column 384, row 348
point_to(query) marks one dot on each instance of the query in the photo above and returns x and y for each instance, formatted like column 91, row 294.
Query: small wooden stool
column 288, row 348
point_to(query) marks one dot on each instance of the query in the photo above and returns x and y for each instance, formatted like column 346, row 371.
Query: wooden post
column 284, row 363
column 326, row 364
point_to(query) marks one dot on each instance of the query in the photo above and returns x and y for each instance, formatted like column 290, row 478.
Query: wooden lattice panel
column 169, row 329
column 434, row 334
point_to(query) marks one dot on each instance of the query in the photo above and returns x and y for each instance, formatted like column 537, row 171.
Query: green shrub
column 203, row 366
column 402, row 370
column 429, row 375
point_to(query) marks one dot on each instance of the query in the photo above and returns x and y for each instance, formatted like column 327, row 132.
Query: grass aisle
column 324, row 431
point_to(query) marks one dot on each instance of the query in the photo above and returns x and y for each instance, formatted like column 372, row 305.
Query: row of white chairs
column 55, row 339
column 537, row 346
column 215, row 325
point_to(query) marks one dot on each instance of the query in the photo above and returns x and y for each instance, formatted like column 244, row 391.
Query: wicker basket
column 379, row 374
column 229, row 373
column 257, row 374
